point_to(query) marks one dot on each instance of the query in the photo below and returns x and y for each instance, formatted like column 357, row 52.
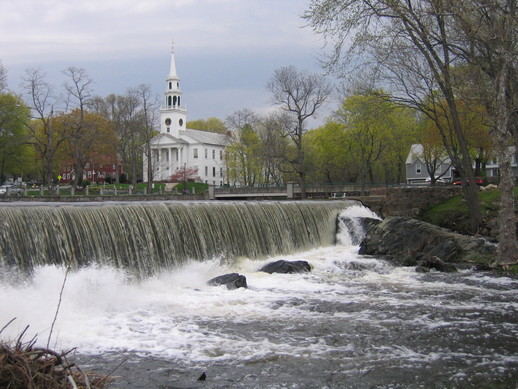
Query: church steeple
column 173, row 114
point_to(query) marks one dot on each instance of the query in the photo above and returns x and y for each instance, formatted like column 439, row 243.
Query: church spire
column 173, row 114
column 173, row 75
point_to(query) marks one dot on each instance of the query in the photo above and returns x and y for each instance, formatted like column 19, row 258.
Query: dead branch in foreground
column 23, row 366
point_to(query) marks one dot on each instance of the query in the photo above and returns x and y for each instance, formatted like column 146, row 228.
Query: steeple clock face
column 167, row 122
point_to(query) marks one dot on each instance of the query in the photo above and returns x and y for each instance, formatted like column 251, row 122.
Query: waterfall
column 145, row 237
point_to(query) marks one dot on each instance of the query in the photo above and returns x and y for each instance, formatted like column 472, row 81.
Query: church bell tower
column 173, row 115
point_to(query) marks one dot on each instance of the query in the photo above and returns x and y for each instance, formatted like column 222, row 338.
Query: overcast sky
column 226, row 50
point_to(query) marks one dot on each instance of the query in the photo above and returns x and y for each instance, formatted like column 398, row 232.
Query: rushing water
column 353, row 322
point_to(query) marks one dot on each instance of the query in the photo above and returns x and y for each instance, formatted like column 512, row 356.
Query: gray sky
column 226, row 50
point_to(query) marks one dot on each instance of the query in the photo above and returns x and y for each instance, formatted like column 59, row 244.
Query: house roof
column 416, row 152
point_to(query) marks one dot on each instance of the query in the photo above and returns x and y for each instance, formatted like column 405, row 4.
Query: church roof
column 206, row 137
column 166, row 138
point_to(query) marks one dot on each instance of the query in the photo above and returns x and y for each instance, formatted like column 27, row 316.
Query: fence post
column 87, row 191
column 289, row 190
column 212, row 192
column 72, row 190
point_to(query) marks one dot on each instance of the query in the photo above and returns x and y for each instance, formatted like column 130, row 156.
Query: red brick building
column 102, row 169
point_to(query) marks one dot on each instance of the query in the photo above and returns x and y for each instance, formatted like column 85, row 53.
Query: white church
column 177, row 147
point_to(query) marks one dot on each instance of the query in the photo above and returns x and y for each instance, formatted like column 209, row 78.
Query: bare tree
column 3, row 78
column 300, row 95
column 79, row 90
column 41, row 134
column 273, row 138
column 148, row 106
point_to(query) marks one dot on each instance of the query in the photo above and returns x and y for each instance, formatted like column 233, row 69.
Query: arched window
column 170, row 85
column 169, row 101
column 174, row 101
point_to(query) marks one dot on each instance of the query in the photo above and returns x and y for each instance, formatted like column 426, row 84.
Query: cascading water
column 353, row 322
column 146, row 237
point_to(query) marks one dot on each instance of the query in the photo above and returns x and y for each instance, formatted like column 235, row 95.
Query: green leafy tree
column 326, row 148
column 211, row 124
column 374, row 129
column 243, row 154
column 14, row 151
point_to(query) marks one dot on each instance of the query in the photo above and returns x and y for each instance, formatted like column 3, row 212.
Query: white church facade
column 177, row 147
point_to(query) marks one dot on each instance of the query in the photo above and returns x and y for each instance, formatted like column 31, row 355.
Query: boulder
column 231, row 280
column 438, row 264
column 286, row 267
column 408, row 241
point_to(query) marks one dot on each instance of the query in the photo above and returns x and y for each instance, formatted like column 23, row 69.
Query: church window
column 418, row 169
column 169, row 100
column 178, row 100
column 180, row 122
column 174, row 100
column 213, row 154
column 195, row 153
column 168, row 129
column 206, row 170
column 170, row 85
column 206, row 153
column 221, row 154
column 214, row 172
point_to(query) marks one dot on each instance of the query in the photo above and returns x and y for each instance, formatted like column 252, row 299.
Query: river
column 353, row 322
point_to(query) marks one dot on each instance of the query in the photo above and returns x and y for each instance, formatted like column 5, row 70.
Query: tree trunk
column 149, row 168
column 507, row 250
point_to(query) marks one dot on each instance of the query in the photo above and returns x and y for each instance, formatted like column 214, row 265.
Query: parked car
column 14, row 190
column 478, row 181
column 437, row 180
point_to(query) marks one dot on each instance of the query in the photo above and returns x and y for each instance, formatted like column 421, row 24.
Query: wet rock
column 407, row 241
column 231, row 280
column 421, row 269
column 286, row 267
column 438, row 264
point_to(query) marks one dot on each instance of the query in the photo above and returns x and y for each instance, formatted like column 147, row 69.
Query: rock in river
column 231, row 280
column 285, row 267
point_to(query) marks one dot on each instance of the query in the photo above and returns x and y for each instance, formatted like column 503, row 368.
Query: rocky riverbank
column 410, row 242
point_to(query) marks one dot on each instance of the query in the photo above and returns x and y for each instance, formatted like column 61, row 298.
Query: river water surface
column 353, row 322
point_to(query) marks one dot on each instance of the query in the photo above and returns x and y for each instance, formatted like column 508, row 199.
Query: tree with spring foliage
column 487, row 35
column 408, row 46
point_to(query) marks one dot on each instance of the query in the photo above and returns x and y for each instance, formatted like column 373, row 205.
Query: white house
column 493, row 168
column 178, row 147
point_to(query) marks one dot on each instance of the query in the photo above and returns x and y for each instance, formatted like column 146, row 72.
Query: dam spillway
column 147, row 236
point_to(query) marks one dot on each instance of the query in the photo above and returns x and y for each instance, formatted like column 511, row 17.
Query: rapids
column 353, row 322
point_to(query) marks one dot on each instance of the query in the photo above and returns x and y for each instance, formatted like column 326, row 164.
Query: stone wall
column 399, row 201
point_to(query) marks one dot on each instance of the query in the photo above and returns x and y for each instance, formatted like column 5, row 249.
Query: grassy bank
column 454, row 215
